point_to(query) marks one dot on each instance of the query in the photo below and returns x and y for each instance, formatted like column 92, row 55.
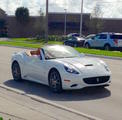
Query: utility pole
column 81, row 19
column 65, row 22
column 46, row 26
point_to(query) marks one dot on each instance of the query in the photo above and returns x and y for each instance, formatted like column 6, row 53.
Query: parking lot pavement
column 103, row 103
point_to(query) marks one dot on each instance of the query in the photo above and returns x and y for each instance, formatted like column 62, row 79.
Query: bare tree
column 96, row 22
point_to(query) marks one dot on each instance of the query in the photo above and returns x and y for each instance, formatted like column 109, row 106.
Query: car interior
column 34, row 53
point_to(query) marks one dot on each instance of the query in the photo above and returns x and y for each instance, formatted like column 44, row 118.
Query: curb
column 102, row 56
column 41, row 100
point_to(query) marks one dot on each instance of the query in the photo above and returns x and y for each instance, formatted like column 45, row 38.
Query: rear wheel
column 107, row 47
column 55, row 83
column 75, row 45
column 16, row 72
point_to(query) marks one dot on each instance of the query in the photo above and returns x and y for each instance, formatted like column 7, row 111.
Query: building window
column 3, row 28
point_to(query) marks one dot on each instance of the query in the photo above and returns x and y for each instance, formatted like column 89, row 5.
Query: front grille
column 96, row 80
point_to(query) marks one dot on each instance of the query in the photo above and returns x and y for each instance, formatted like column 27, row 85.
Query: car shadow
column 44, row 92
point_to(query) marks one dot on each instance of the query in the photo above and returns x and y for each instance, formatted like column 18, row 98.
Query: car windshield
column 90, row 36
column 58, row 51
column 76, row 35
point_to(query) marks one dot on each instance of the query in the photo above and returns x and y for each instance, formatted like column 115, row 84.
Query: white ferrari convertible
column 61, row 68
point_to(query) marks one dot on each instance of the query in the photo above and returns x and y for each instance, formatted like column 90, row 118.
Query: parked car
column 73, row 35
column 107, row 41
column 75, row 41
column 89, row 36
column 60, row 67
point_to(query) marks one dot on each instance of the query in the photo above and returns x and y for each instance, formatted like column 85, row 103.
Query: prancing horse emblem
column 98, row 80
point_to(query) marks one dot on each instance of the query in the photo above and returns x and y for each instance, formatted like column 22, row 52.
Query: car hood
column 86, row 65
column 80, row 62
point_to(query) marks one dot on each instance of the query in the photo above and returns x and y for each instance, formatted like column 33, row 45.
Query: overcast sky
column 110, row 8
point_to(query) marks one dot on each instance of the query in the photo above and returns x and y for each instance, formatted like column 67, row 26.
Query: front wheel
column 55, row 83
column 64, row 43
column 16, row 72
column 87, row 45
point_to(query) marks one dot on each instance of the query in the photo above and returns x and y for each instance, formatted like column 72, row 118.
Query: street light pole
column 81, row 19
column 65, row 22
column 46, row 26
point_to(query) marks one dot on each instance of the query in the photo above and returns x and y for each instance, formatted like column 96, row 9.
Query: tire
column 65, row 43
column 16, row 72
column 75, row 45
column 55, row 83
column 107, row 47
column 87, row 45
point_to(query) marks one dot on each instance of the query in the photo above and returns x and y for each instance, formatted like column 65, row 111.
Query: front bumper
column 79, row 81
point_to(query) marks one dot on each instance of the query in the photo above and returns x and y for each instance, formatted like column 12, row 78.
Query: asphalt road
column 103, row 103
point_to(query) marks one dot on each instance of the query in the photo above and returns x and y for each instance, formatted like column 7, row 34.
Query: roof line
column 67, row 13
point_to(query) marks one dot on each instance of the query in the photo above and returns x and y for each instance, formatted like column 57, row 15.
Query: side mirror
column 93, row 38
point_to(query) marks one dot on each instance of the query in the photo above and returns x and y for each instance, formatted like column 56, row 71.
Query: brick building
column 56, row 23
column 3, row 24
column 10, row 27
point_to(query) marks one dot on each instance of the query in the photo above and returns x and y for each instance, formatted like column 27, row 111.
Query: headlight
column 105, row 65
column 71, row 70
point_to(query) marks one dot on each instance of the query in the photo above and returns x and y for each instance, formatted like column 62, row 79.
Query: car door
column 72, row 41
column 35, row 69
column 69, row 41
column 101, row 39
column 93, row 41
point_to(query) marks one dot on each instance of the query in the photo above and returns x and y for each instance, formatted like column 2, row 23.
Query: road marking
column 42, row 100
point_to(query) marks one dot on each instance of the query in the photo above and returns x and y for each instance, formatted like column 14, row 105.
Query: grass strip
column 33, row 43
